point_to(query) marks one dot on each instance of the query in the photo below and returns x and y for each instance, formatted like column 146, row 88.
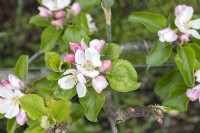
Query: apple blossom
column 59, row 14
column 9, row 102
column 106, row 64
column 55, row 5
column 179, row 9
column 70, row 58
column 13, row 82
column 74, row 47
column 44, row 12
column 184, row 38
column 87, row 61
column 73, row 78
column 194, row 93
column 76, row 8
column 91, row 25
column 21, row 117
column 197, row 75
column 184, row 24
column 99, row 83
column 97, row 44
column 57, row 23
column 167, row 35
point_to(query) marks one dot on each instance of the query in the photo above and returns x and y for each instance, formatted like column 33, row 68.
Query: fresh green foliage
column 49, row 38
column 40, row 21
column 35, row 128
column 54, row 76
column 159, row 54
column 122, row 76
column 185, row 60
column 11, row 125
column 153, row 22
column 111, row 52
column 76, row 112
column 21, row 67
column 52, row 60
column 87, row 5
column 92, row 102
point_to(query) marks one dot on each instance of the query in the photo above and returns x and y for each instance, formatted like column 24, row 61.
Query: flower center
column 88, row 65
column 75, row 79
column 15, row 100
column 188, row 25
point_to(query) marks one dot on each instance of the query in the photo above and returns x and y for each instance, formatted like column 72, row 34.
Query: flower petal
column 4, row 105
column 99, row 83
column 80, row 57
column 81, row 90
column 15, row 81
column 70, row 71
column 6, row 92
column 83, row 44
column 194, row 33
column 54, row 5
column 12, row 111
column 81, row 78
column 92, row 73
column 21, row 117
column 195, row 23
column 18, row 93
column 197, row 73
column 67, row 82
column 97, row 44
column 93, row 55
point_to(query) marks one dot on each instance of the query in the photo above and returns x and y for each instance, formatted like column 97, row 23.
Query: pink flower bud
column 193, row 93
column 179, row 9
column 60, row 14
column 70, row 58
column 76, row 8
column 99, row 83
column 44, row 12
column 167, row 35
column 21, row 117
column 97, row 44
column 57, row 23
column 5, row 82
column 1, row 85
column 106, row 64
column 184, row 38
column 74, row 47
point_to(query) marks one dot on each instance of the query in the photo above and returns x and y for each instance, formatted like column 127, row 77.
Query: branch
column 58, row 128
column 34, row 57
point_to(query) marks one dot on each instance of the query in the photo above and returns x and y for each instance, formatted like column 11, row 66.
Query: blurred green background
column 18, row 37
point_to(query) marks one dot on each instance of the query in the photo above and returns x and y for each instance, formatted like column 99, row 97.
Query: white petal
column 89, row 17
column 194, row 33
column 83, row 44
column 4, row 105
column 54, row 5
column 92, row 73
column 67, row 82
column 198, row 79
column 12, row 111
column 81, row 90
column 18, row 93
column 81, row 78
column 197, row 73
column 71, row 71
column 195, row 24
column 99, row 83
column 15, row 81
column 80, row 57
column 93, row 55
column 6, row 92
column 11, row 87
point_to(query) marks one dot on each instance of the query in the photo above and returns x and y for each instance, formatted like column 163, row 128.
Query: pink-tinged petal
column 80, row 57
column 59, row 14
column 67, row 82
column 106, row 64
column 71, row 71
column 70, row 58
column 81, row 90
column 12, row 111
column 179, row 9
column 21, row 117
column 44, row 12
column 4, row 105
column 81, row 78
column 186, row 15
column 6, row 93
column 5, row 81
column 1, row 85
column 93, row 56
column 92, row 26
column 55, row 5
column 167, row 35
column 195, row 24
column 193, row 94
column 83, row 44
column 74, row 47
column 76, row 8
column 15, row 81
column 194, row 33
column 197, row 73
column 18, row 93
column 57, row 23
column 184, row 38
column 99, row 83
column 11, row 87
column 92, row 73
column 97, row 44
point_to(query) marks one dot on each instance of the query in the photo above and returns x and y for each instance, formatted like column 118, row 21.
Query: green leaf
column 33, row 105
column 43, row 92
column 92, row 102
column 52, row 60
column 159, row 54
column 82, row 21
column 54, row 76
column 35, row 128
column 64, row 66
column 185, row 60
column 63, row 47
column 1, row 116
column 170, row 22
column 76, row 112
column 108, row 4
column 40, row 21
column 41, row 83
column 21, row 67
column 11, row 125
column 153, row 22
column 177, row 98
column 75, row 34
column 111, row 51
column 163, row 86
column 59, row 110
column 122, row 76
column 196, row 49
column 87, row 5
column 49, row 38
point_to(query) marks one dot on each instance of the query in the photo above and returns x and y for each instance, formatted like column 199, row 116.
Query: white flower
column 87, row 61
column 167, row 35
column 99, row 83
column 75, row 78
column 14, row 82
column 55, row 5
column 9, row 102
column 184, row 24
column 91, row 25
column 197, row 75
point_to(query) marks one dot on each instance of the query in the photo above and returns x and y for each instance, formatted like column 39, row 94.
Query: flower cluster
column 87, row 67
column 194, row 93
column 58, row 10
column 9, row 99
column 186, row 26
